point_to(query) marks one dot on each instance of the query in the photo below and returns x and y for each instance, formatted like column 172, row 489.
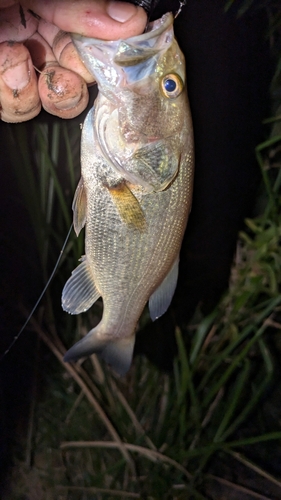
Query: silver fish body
column 135, row 191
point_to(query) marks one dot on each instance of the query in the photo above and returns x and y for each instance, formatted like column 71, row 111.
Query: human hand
column 39, row 37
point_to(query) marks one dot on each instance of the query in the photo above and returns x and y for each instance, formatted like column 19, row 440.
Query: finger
column 109, row 20
column 64, row 50
column 40, row 51
column 68, row 57
column 7, row 3
column 16, row 24
column 63, row 93
column 19, row 98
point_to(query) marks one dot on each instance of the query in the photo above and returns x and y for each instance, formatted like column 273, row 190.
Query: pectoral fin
column 79, row 207
column 128, row 206
column 162, row 297
column 79, row 292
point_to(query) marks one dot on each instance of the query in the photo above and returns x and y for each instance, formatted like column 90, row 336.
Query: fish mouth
column 139, row 48
column 108, row 60
column 153, row 30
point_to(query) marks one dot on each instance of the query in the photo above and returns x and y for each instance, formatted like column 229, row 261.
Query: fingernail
column 68, row 103
column 17, row 77
column 121, row 11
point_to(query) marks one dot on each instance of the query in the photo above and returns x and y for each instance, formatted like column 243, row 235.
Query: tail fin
column 117, row 353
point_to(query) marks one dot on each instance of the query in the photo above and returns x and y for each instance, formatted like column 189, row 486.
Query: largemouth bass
column 135, row 191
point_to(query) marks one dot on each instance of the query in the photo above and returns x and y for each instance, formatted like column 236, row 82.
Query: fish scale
column 135, row 192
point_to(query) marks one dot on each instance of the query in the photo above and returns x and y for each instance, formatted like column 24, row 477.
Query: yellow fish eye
column 172, row 85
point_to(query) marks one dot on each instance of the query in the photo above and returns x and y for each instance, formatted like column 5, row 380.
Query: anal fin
column 162, row 296
column 80, row 292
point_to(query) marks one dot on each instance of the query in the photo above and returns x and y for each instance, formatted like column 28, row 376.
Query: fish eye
column 172, row 85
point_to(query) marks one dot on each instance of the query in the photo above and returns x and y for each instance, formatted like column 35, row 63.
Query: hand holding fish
column 38, row 29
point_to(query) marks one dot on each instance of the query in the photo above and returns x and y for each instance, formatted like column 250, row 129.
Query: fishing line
column 40, row 297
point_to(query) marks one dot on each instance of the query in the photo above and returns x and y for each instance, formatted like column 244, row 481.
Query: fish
column 135, row 191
